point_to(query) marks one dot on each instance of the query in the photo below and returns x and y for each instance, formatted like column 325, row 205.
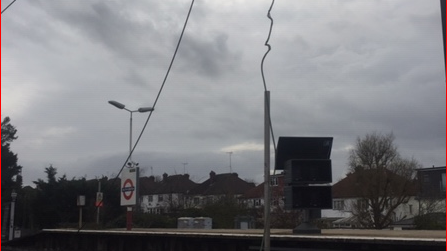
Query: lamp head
column 145, row 109
column 117, row 104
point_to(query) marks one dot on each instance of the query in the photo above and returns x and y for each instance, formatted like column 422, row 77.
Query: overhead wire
column 155, row 102
column 8, row 6
column 161, row 88
column 262, row 67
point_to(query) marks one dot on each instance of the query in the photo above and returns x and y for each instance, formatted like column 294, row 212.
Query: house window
column 394, row 216
column 196, row 201
column 386, row 204
column 339, row 204
column 443, row 182
column 274, row 181
column 362, row 204
column 160, row 197
column 150, row 198
column 410, row 208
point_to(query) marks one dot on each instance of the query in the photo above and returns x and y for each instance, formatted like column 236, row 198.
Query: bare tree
column 384, row 180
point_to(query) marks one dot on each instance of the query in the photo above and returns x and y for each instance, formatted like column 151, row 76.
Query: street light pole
column 11, row 219
column 130, row 163
column 130, row 138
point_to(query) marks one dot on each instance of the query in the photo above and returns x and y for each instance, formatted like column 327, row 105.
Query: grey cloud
column 343, row 69
column 210, row 57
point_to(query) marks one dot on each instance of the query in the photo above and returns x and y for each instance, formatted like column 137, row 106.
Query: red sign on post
column 99, row 198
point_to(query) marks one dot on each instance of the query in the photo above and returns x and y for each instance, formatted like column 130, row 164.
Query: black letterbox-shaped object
column 302, row 148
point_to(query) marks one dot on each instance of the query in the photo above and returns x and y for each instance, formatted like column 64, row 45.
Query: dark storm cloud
column 208, row 55
column 115, row 30
column 136, row 36
column 337, row 68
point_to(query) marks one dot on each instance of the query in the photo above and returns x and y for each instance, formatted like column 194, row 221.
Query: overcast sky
column 338, row 68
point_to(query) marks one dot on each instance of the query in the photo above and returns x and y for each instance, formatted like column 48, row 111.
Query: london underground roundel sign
column 129, row 187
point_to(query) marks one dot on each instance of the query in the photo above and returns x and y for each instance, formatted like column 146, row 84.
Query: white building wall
column 160, row 203
column 405, row 210
column 148, row 203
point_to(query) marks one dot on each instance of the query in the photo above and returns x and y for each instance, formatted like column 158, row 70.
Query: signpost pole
column 129, row 219
column 80, row 217
column 98, row 201
column 80, row 202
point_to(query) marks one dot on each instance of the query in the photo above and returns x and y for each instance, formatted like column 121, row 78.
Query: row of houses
column 178, row 191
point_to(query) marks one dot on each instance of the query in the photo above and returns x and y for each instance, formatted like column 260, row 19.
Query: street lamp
column 141, row 110
column 130, row 164
column 11, row 219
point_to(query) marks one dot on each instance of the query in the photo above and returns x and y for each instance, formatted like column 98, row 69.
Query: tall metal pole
column 130, row 138
column 267, row 171
column 129, row 208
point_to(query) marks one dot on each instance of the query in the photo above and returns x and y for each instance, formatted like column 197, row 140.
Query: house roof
column 175, row 184
column 255, row 193
column 404, row 222
column 169, row 184
column 349, row 187
column 258, row 191
column 147, row 185
column 226, row 183
column 431, row 169
column 344, row 188
column 352, row 220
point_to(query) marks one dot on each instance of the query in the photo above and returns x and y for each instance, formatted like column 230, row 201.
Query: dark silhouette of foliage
column 431, row 221
column 224, row 211
column 11, row 171
column 55, row 200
